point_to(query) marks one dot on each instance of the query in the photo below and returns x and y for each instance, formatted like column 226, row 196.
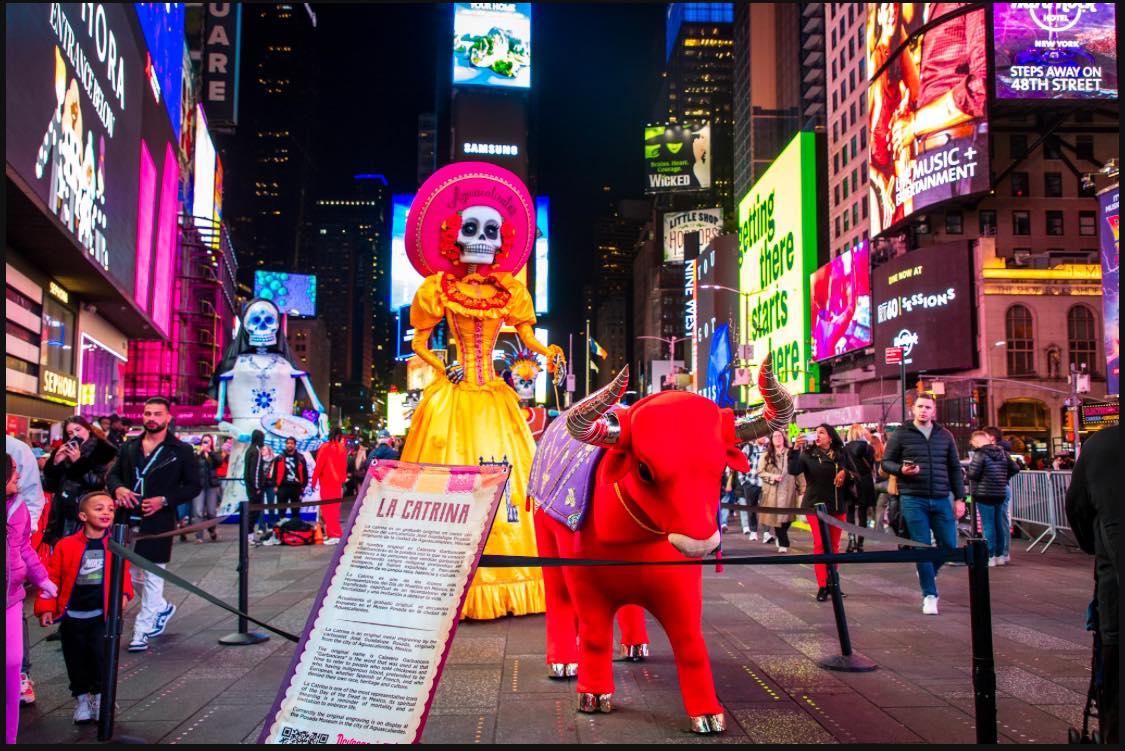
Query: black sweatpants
column 782, row 532
column 289, row 494
column 83, row 646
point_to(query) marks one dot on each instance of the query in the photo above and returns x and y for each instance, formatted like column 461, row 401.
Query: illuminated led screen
column 542, row 254
column 841, row 304
column 294, row 294
column 492, row 45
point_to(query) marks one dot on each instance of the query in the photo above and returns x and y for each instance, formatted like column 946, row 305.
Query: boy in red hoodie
column 79, row 567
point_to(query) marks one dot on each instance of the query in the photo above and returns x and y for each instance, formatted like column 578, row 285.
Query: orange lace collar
column 453, row 293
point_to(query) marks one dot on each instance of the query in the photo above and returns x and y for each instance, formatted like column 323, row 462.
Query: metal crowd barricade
column 1039, row 500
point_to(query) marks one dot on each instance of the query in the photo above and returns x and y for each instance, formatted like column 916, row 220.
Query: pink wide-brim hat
column 455, row 187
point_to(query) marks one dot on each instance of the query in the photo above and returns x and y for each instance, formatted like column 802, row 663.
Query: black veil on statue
column 240, row 345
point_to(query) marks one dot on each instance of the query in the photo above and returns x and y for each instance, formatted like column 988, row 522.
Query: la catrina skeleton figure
column 470, row 230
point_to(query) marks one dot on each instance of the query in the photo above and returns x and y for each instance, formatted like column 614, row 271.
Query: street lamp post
column 671, row 346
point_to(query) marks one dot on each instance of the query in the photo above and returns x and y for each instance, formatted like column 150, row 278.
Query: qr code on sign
column 303, row 737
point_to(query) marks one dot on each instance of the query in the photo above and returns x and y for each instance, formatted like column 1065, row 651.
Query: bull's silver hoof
column 709, row 723
column 561, row 670
column 594, row 703
column 634, row 652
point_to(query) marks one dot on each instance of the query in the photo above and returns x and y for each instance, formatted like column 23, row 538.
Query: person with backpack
column 863, row 456
column 291, row 475
column 990, row 470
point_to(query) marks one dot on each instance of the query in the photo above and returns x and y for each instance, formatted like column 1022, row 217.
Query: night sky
column 596, row 77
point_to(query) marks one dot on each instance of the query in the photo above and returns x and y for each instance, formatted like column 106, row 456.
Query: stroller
column 1090, row 714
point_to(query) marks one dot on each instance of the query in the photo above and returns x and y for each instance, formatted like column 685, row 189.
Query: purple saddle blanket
column 562, row 475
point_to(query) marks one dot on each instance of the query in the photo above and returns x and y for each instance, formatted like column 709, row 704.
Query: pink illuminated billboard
column 840, row 301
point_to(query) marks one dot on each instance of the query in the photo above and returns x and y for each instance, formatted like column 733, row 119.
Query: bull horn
column 779, row 406
column 592, row 420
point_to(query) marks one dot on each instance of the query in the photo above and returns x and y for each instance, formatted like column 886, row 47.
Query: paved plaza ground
column 763, row 627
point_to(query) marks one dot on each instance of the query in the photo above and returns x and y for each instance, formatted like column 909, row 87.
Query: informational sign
column 222, row 44
column 1055, row 50
column 707, row 223
column 924, row 306
column 72, row 85
column 372, row 652
column 294, row 294
column 492, row 45
column 918, row 158
column 892, row 355
column 163, row 27
column 777, row 244
column 677, row 158
column 841, row 304
column 1093, row 416
column 1109, row 227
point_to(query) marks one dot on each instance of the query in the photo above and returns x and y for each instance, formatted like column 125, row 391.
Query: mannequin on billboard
column 258, row 379
column 470, row 230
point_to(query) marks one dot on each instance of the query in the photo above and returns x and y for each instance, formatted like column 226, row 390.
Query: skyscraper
column 271, row 153
column 767, row 95
column 616, row 235
column 346, row 245
column 697, row 88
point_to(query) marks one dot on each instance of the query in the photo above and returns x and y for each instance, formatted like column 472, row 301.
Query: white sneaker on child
column 929, row 605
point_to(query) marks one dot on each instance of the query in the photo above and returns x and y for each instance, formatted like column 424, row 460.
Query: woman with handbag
column 77, row 467
column 779, row 488
column 863, row 456
column 831, row 477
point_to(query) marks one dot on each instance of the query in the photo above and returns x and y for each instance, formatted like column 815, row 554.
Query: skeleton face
column 479, row 237
column 262, row 323
column 524, row 374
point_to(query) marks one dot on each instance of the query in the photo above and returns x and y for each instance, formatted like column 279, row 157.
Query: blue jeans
column 923, row 515
column 268, row 518
column 992, row 522
column 1004, row 543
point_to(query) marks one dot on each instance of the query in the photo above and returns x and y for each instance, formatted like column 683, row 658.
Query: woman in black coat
column 862, row 454
column 829, row 476
column 77, row 467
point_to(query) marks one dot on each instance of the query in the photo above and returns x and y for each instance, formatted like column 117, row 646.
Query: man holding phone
column 154, row 472
column 923, row 456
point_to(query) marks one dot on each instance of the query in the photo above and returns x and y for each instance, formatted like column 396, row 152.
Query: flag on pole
column 597, row 349
column 594, row 366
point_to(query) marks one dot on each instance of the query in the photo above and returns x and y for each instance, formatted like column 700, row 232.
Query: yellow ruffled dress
column 479, row 418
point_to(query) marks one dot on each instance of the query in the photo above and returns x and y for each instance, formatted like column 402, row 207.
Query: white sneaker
column 752, row 536
column 993, row 562
column 781, row 549
column 272, row 541
column 746, row 530
column 767, row 537
column 1004, row 559
column 331, row 540
column 929, row 605
column 83, row 712
column 139, row 644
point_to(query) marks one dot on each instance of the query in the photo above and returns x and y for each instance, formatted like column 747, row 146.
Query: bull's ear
column 618, row 460
column 736, row 460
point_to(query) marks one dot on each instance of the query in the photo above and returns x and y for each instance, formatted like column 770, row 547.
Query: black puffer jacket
column 69, row 481
column 937, row 456
column 820, row 468
column 990, row 469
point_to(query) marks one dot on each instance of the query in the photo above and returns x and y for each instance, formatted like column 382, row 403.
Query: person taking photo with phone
column 922, row 455
column 77, row 467
column 830, row 479
column 155, row 472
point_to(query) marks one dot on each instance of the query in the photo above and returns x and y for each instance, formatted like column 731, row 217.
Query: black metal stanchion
column 984, row 668
column 847, row 661
column 113, row 624
column 244, row 635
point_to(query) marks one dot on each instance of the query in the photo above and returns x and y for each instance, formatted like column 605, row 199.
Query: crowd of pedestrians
column 913, row 486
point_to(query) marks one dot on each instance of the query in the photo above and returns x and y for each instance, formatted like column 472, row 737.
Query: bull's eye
column 645, row 472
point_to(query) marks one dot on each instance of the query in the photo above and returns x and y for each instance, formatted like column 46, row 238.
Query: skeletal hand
column 454, row 372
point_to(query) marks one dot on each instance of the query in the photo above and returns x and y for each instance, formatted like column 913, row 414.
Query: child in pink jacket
column 22, row 565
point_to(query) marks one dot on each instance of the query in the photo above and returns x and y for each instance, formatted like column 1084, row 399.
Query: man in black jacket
column 923, row 456
column 253, row 474
column 1093, row 508
column 154, row 473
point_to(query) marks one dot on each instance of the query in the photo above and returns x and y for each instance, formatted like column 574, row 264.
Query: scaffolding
column 204, row 306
